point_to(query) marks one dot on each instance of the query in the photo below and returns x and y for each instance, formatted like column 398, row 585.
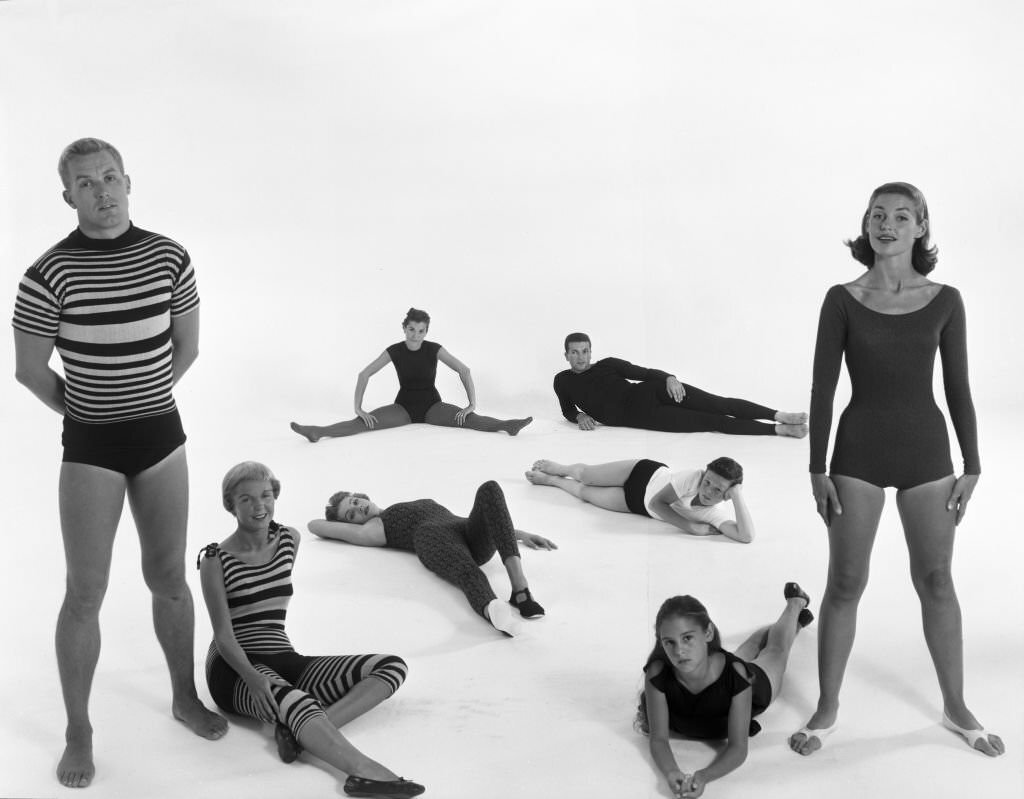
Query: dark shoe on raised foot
column 794, row 590
column 383, row 789
column 528, row 607
column 805, row 617
column 287, row 747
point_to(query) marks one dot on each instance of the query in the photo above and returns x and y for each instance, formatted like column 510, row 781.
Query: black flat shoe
column 794, row 590
column 384, row 789
column 287, row 747
column 528, row 607
column 805, row 617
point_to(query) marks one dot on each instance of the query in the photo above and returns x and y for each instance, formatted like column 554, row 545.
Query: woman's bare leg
column 608, row 498
column 443, row 414
column 597, row 474
column 851, row 537
column 387, row 416
column 319, row 737
column 930, row 530
column 364, row 696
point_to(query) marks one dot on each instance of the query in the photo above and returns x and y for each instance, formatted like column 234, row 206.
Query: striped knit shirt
column 258, row 595
column 108, row 303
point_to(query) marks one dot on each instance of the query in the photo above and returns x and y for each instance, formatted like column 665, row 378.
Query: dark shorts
column 635, row 486
column 126, row 447
column 761, row 688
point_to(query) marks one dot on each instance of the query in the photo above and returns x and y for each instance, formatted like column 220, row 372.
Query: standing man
column 120, row 305
column 603, row 392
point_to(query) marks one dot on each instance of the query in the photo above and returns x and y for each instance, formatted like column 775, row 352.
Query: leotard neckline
column 850, row 294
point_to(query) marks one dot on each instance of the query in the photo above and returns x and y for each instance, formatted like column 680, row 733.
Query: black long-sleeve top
column 601, row 390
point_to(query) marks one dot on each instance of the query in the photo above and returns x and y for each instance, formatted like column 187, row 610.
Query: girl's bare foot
column 791, row 418
column 550, row 467
column 76, row 768
column 791, row 430
column 307, row 431
column 538, row 478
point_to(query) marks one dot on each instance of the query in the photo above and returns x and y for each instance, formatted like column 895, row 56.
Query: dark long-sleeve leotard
column 892, row 433
column 602, row 390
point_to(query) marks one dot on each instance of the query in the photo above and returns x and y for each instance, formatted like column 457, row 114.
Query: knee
column 846, row 586
column 935, row 585
column 165, row 580
column 84, row 597
column 489, row 491
column 392, row 670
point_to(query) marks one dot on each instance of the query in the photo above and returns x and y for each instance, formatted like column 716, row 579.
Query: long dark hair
column 686, row 606
column 924, row 256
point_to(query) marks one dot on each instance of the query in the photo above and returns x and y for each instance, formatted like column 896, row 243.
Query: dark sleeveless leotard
column 705, row 714
column 417, row 371
column 892, row 433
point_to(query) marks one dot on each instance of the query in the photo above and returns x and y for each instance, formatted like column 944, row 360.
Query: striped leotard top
column 108, row 303
column 258, row 595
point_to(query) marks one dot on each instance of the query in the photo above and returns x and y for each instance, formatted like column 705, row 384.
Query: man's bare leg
column 90, row 501
column 159, row 502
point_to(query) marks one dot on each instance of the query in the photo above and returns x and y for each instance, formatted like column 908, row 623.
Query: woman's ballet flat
column 791, row 590
column 383, row 789
column 288, row 748
column 971, row 736
column 808, row 733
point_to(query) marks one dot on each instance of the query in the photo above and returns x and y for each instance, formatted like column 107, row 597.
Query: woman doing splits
column 251, row 667
column 889, row 323
column 690, row 499
column 451, row 546
column 695, row 688
column 418, row 400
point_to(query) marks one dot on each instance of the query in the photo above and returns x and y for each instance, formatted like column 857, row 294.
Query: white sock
column 500, row 615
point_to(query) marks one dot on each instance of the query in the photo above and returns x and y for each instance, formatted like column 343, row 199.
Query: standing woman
column 889, row 322
column 418, row 400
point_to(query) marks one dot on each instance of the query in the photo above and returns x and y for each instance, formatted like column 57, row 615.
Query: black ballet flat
column 287, row 747
column 805, row 617
column 792, row 590
column 384, row 789
column 528, row 607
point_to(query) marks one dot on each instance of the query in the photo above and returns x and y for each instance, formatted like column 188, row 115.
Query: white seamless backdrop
column 675, row 179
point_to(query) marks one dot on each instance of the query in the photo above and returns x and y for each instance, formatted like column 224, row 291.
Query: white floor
column 675, row 180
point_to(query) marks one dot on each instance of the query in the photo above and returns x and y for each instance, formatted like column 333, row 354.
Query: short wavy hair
column 331, row 511
column 416, row 315
column 727, row 468
column 81, row 147
column 576, row 337
column 238, row 474
column 924, row 256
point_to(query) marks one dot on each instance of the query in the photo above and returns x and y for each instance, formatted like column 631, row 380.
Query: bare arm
column 657, row 719
column 32, row 358
column 458, row 366
column 185, row 342
column 661, row 505
column 735, row 752
column 370, row 534
column 211, row 576
column 742, row 529
column 371, row 369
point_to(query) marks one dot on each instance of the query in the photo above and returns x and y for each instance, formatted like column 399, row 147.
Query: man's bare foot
column 550, row 467
column 810, row 738
column 791, row 430
column 538, row 478
column 513, row 426
column 791, row 418
column 307, row 431
column 76, row 768
column 202, row 721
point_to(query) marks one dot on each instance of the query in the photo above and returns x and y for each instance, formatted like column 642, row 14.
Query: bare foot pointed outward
column 202, row 721
column 306, row 431
column 538, row 478
column 513, row 426
column 786, row 417
column 551, row 467
column 76, row 768
column 791, row 430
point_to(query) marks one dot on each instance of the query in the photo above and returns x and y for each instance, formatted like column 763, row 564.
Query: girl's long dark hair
column 681, row 606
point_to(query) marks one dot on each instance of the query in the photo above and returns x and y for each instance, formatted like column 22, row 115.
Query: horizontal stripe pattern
column 258, row 597
column 108, row 305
